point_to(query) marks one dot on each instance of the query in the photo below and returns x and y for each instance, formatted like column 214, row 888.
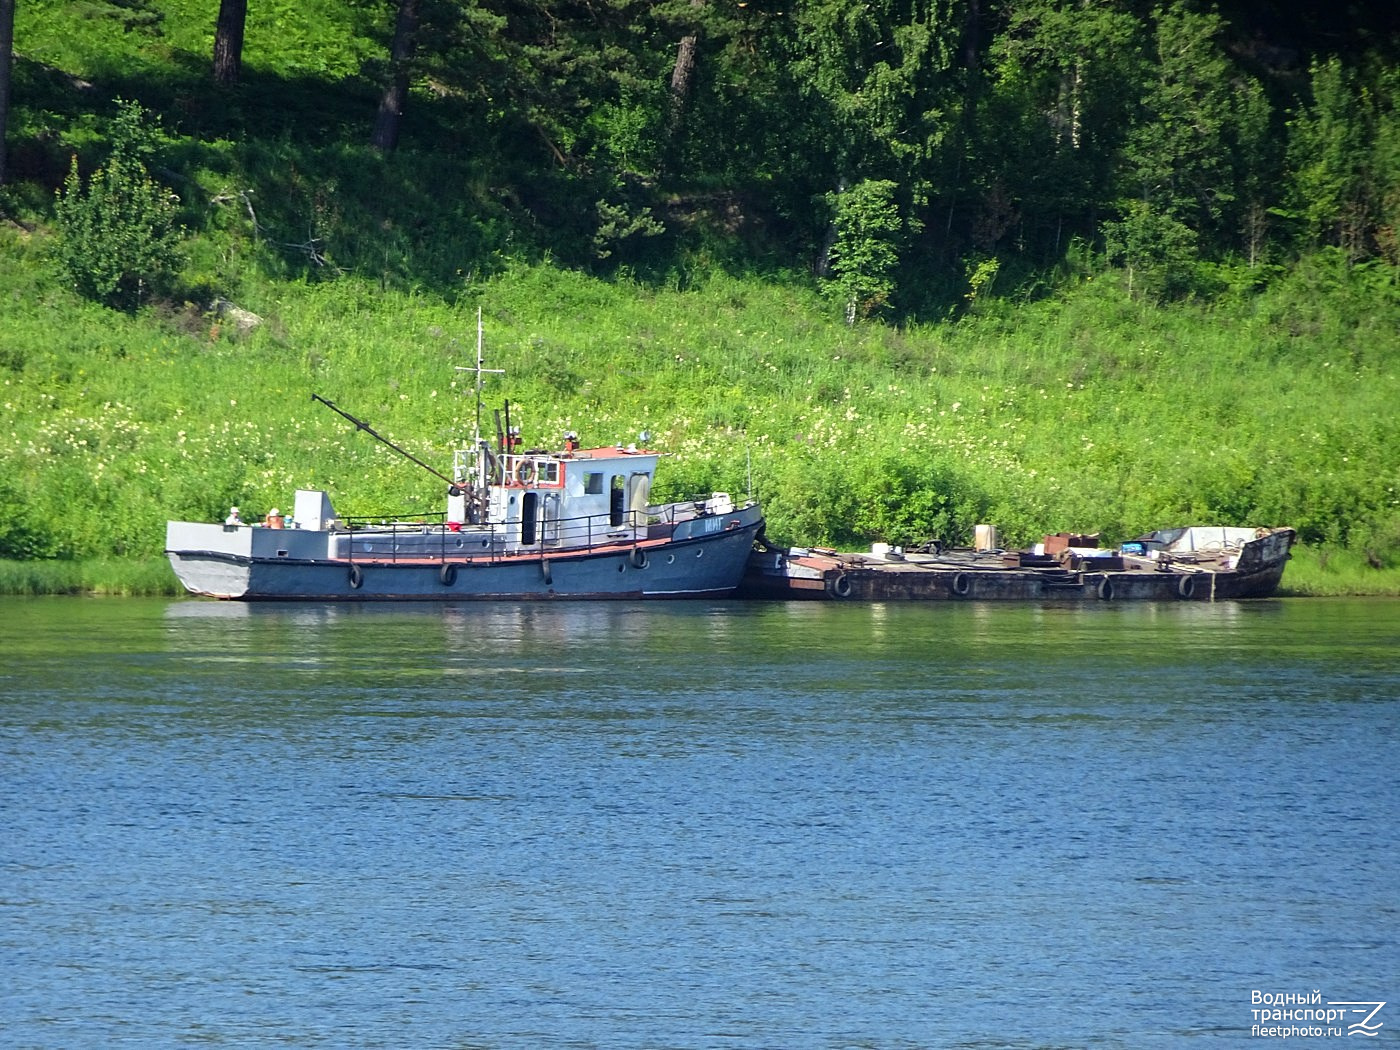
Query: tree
column 228, row 40
column 1186, row 155
column 866, row 252
column 1156, row 250
column 1343, row 149
column 118, row 241
column 1064, row 78
column 7, row 41
column 884, row 80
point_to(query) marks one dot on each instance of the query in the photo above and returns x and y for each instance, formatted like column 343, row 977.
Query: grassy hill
column 1078, row 407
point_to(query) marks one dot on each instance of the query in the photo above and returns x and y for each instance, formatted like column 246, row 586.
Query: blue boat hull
column 702, row 558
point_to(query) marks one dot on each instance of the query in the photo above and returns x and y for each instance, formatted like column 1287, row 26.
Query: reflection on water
column 691, row 824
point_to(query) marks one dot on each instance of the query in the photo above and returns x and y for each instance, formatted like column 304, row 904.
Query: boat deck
column 961, row 573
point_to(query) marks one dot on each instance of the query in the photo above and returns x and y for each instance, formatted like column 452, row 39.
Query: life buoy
column 1106, row 589
column 841, row 586
column 638, row 558
column 1186, row 586
column 525, row 471
column 357, row 577
column 448, row 574
column 962, row 584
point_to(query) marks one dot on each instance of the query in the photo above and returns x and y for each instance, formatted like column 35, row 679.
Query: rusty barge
column 1198, row 563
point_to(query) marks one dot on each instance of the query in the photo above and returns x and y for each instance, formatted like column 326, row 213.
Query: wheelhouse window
column 593, row 483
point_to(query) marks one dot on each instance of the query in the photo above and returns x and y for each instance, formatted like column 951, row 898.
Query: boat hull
column 704, row 559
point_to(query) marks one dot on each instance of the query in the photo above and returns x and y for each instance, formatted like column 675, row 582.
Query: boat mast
column 480, row 361
column 483, row 493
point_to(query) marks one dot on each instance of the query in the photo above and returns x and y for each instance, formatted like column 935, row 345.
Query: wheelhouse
column 576, row 498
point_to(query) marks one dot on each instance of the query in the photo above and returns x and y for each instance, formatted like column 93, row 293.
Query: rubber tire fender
column 961, row 585
column 357, row 577
column 841, row 585
column 447, row 575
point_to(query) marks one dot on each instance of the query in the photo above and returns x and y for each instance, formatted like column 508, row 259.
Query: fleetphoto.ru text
column 1284, row 1015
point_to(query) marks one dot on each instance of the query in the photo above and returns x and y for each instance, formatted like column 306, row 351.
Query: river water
column 695, row 824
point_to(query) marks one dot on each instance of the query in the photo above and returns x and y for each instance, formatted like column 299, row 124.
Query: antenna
column 481, row 371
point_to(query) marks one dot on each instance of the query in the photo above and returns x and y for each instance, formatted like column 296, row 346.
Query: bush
column 866, row 252
column 118, row 242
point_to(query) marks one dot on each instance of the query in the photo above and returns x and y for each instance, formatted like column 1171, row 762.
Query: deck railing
column 430, row 536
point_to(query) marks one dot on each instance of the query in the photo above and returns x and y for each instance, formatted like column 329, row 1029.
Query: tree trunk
column 683, row 72
column 228, row 41
column 682, row 75
column 385, row 136
column 7, row 40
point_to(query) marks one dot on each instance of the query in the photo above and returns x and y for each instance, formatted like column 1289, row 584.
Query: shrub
column 21, row 535
column 865, row 253
column 118, row 242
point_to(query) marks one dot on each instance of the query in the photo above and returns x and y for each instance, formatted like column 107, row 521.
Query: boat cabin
column 574, row 498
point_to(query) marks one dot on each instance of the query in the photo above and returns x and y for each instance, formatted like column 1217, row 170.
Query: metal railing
column 429, row 536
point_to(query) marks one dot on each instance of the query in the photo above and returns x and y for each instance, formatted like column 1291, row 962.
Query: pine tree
column 118, row 241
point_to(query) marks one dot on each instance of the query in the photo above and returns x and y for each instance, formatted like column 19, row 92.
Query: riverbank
column 1089, row 413
column 1312, row 573
column 1323, row 572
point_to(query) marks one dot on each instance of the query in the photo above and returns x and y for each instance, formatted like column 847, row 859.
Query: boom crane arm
column 360, row 424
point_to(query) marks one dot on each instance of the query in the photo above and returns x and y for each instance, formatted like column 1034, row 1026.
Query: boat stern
column 218, row 560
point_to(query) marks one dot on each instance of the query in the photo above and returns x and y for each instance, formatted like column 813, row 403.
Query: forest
column 881, row 211
column 907, row 153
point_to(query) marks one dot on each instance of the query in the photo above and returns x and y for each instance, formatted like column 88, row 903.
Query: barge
column 1196, row 563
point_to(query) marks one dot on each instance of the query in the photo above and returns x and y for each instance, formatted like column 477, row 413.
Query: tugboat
column 519, row 524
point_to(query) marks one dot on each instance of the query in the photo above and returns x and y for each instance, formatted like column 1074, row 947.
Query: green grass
column 104, row 577
column 1327, row 572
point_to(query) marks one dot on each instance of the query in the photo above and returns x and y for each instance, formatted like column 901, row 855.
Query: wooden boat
column 1198, row 563
column 519, row 524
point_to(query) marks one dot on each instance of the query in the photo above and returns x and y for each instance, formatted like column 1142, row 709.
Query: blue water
column 693, row 824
